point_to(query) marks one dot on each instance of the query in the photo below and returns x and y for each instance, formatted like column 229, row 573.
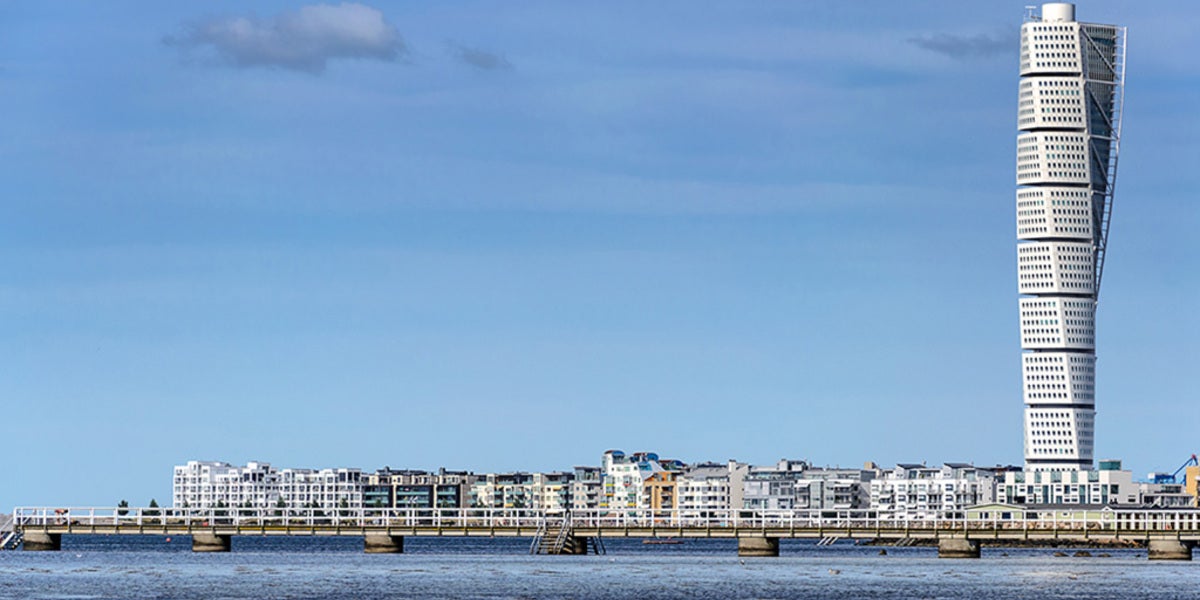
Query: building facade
column 203, row 484
column 710, row 489
column 913, row 492
column 623, row 477
column 1107, row 486
column 1069, row 114
column 796, row 485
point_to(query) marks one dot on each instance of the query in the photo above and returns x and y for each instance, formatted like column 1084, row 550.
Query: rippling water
column 150, row 567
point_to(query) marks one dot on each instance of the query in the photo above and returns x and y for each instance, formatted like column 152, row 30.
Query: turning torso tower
column 1069, row 122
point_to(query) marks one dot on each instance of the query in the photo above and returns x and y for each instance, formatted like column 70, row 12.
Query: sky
column 499, row 236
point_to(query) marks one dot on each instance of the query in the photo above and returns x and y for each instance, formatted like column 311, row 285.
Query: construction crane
column 1174, row 477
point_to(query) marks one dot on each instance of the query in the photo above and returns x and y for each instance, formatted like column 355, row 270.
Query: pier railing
column 1058, row 519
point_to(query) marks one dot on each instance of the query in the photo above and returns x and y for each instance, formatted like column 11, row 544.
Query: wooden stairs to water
column 10, row 538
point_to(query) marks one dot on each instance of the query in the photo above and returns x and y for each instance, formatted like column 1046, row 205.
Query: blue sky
column 491, row 236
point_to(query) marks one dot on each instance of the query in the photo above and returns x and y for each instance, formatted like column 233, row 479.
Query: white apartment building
column 203, row 484
column 1069, row 123
column 324, row 489
column 710, row 488
column 542, row 491
column 623, row 477
column 1109, row 485
column 913, row 492
column 796, row 485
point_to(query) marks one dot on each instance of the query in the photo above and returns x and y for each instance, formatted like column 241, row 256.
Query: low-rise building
column 203, row 484
column 911, row 492
column 1164, row 495
column 623, row 477
column 586, row 489
column 710, row 489
column 796, row 485
column 414, row 489
column 1108, row 485
column 323, row 489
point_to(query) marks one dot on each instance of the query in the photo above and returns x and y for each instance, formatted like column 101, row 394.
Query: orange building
column 660, row 490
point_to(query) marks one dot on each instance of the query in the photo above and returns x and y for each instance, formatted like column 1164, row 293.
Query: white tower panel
column 1055, row 157
column 1056, row 268
column 1050, row 49
column 1055, row 212
column 1052, row 103
column 1060, row 378
column 1049, row 323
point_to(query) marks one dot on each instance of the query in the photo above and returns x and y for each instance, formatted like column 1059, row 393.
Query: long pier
column 1170, row 534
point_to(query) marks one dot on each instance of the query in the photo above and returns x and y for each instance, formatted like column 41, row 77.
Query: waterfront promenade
column 1169, row 534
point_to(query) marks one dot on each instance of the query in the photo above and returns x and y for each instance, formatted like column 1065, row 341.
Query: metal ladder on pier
column 552, row 536
column 10, row 537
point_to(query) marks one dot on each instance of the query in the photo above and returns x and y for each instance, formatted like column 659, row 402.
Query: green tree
column 122, row 507
column 152, row 511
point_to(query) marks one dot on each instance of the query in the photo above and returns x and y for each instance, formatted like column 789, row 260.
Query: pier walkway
column 1169, row 533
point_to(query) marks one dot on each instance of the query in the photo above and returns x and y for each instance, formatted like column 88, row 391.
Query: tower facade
column 1069, row 124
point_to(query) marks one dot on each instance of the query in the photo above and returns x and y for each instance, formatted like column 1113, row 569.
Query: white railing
column 266, row 518
column 279, row 517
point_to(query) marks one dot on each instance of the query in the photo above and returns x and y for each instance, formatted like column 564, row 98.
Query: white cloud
column 305, row 39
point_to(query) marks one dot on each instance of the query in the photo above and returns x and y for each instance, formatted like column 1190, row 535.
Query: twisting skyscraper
column 1069, row 122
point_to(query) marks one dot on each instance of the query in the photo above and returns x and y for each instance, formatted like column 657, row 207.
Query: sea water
column 103, row 567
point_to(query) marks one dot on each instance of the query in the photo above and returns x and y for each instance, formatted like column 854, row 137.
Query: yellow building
column 1191, row 476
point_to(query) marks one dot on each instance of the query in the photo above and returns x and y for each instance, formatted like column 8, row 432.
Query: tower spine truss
column 1069, row 129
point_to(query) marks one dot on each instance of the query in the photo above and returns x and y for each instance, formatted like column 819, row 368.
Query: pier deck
column 45, row 526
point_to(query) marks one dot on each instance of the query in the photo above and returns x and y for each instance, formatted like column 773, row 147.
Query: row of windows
column 1082, row 232
column 1074, row 251
column 1072, row 65
column 1054, row 303
column 1052, row 192
column 1058, row 342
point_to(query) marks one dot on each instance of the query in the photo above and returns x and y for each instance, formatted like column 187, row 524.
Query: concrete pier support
column 758, row 546
column 383, row 544
column 211, row 542
column 40, row 541
column 575, row 545
column 1169, row 550
column 958, row 548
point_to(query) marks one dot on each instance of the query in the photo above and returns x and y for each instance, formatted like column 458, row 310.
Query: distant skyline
column 497, row 237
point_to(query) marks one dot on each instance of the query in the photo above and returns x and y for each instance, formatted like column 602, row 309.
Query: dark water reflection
column 150, row 567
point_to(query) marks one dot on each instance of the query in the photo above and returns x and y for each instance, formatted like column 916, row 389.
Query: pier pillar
column 1169, row 550
column 758, row 546
column 383, row 544
column 211, row 542
column 41, row 541
column 957, row 548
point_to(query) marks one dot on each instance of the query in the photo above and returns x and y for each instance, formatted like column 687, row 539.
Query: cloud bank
column 964, row 47
column 304, row 40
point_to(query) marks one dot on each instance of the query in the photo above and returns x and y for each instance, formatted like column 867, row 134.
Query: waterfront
column 150, row 567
